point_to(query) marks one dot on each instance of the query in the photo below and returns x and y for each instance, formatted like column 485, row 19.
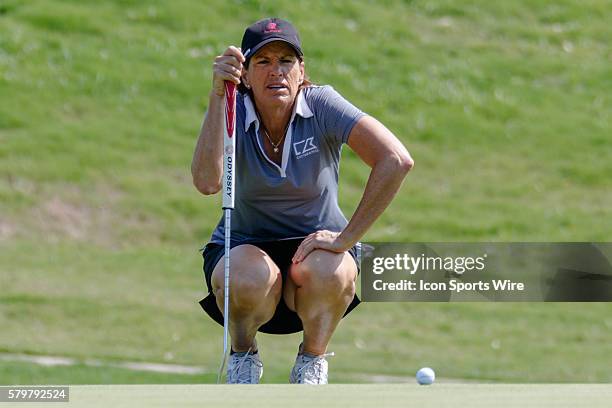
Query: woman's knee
column 254, row 277
column 325, row 271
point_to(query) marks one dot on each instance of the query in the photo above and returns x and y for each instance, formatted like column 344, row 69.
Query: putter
column 228, row 187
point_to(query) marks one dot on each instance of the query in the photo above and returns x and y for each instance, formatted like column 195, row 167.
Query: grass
column 397, row 395
column 149, row 313
column 24, row 373
column 505, row 108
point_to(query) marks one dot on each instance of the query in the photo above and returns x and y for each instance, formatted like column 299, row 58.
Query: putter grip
column 229, row 146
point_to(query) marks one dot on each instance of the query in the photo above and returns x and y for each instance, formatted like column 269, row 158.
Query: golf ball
column 425, row 376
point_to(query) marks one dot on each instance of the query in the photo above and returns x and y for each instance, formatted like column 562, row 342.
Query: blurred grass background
column 504, row 106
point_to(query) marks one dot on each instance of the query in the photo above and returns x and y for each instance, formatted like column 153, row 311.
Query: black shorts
column 284, row 320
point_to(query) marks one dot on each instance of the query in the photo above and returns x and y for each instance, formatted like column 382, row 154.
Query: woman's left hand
column 323, row 239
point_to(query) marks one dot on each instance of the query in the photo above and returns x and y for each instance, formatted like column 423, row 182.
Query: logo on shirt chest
column 305, row 148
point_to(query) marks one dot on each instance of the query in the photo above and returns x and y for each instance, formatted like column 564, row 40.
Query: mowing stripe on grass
column 128, row 365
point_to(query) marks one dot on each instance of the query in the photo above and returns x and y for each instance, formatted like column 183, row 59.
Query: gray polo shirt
column 301, row 195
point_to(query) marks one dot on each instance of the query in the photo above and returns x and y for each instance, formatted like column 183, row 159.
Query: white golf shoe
column 244, row 368
column 309, row 369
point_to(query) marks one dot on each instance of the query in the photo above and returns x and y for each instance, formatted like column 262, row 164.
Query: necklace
column 274, row 145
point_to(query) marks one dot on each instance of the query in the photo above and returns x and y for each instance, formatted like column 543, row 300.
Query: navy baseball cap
column 266, row 31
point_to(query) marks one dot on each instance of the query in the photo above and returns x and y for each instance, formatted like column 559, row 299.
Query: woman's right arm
column 207, row 163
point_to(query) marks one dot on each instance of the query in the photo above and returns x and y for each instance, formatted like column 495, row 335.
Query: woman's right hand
column 227, row 67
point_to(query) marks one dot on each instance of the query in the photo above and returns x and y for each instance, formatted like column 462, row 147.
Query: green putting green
column 354, row 396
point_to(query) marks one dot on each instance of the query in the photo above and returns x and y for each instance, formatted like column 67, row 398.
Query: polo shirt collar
column 301, row 108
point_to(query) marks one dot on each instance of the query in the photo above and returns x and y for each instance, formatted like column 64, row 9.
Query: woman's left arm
column 390, row 161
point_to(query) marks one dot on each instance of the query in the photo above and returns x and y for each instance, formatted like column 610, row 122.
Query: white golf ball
column 425, row 376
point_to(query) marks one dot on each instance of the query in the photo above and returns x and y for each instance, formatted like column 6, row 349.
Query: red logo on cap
column 272, row 28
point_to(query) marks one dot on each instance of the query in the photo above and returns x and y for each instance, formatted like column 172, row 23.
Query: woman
column 293, row 255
